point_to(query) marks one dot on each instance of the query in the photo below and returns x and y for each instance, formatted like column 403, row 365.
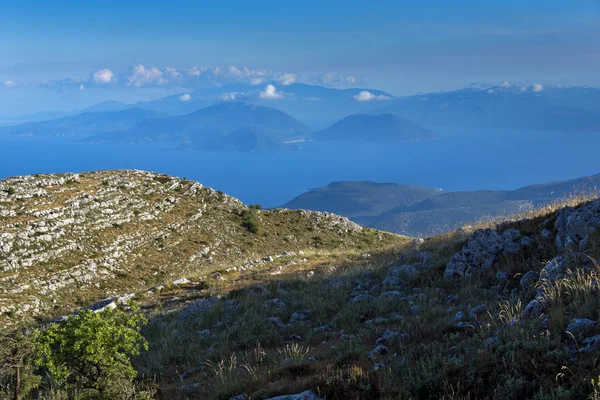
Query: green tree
column 89, row 355
column 17, row 376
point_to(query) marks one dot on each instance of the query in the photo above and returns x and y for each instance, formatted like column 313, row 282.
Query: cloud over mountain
column 102, row 76
column 365, row 95
column 270, row 93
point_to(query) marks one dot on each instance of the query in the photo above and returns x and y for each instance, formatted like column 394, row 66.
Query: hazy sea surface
column 457, row 160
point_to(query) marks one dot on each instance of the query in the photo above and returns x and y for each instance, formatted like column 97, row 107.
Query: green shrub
column 89, row 355
column 249, row 221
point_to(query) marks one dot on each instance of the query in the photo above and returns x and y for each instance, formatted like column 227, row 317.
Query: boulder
column 560, row 267
column 481, row 252
column 580, row 328
column 574, row 225
column 529, row 279
column 198, row 306
column 535, row 308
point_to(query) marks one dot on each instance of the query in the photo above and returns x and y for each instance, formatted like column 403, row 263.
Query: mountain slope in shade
column 354, row 199
column 242, row 140
column 374, row 128
column 417, row 211
column 84, row 124
column 210, row 123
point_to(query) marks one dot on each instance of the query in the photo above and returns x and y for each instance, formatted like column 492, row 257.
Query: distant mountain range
column 374, row 128
column 84, row 124
column 225, row 126
column 537, row 108
column 422, row 211
column 266, row 121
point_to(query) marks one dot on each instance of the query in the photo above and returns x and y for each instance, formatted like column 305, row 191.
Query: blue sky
column 48, row 49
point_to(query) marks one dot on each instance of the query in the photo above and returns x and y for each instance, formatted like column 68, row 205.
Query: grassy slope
column 235, row 349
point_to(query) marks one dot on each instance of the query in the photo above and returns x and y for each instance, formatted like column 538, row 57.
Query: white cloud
column 232, row 96
column 172, row 72
column 195, row 71
column 270, row 93
column 505, row 85
column 9, row 84
column 103, row 76
column 185, row 97
column 287, row 79
column 537, row 87
column 491, row 91
column 368, row 96
column 139, row 76
column 335, row 78
column 82, row 87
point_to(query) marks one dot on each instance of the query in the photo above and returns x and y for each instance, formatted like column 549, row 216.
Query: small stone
column 379, row 350
column 301, row 315
column 501, row 277
column 182, row 281
column 477, row 312
column 529, row 279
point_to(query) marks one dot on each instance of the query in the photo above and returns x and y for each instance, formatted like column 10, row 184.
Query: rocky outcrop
column 574, row 225
column 482, row 250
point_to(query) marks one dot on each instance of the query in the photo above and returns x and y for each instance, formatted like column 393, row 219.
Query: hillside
column 360, row 199
column 374, row 128
column 427, row 212
column 66, row 240
column 499, row 312
column 84, row 124
column 209, row 124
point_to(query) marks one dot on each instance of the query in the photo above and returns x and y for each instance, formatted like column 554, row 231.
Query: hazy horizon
column 68, row 55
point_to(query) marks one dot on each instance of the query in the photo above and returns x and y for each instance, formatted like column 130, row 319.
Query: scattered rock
column 590, row 344
column 379, row 350
column 198, row 306
column 581, row 327
column 459, row 316
column 529, row 279
column 575, row 224
column 275, row 305
column 535, row 308
column 481, row 252
column 300, row 315
column 387, row 338
column 182, row 281
column 477, row 312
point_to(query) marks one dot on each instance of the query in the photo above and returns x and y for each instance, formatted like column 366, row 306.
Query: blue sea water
column 457, row 160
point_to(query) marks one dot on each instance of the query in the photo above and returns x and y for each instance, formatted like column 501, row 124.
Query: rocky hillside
column 66, row 240
column 505, row 312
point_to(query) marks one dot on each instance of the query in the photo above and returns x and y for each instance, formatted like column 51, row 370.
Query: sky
column 63, row 55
